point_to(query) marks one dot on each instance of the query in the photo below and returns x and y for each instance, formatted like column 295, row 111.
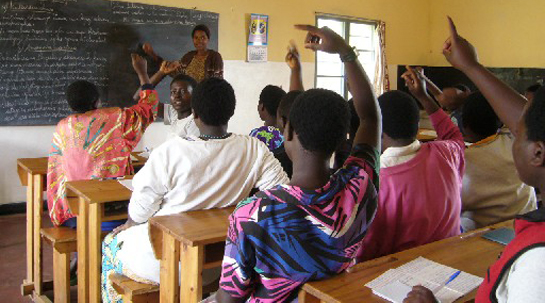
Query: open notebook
column 395, row 284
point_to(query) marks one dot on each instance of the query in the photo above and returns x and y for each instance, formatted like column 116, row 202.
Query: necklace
column 208, row 137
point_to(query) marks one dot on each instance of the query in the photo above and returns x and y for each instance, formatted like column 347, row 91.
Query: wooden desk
column 33, row 173
column 194, row 239
column 87, row 199
column 467, row 252
column 426, row 135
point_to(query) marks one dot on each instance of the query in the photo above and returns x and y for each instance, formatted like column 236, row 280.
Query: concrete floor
column 13, row 258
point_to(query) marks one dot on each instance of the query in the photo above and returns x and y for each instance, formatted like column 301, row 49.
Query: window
column 330, row 72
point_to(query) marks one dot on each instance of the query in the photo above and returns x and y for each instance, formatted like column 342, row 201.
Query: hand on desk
column 420, row 294
column 123, row 226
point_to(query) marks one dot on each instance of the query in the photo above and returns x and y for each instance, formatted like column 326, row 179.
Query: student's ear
column 288, row 132
column 195, row 116
column 260, row 107
column 538, row 153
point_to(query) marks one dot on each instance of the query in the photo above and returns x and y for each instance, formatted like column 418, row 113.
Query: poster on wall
column 258, row 38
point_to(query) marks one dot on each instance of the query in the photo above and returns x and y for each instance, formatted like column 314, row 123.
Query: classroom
column 503, row 32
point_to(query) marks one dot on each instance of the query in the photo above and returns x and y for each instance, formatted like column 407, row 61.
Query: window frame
column 346, row 20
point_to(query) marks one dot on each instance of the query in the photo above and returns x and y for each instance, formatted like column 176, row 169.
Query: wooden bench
column 64, row 241
column 134, row 292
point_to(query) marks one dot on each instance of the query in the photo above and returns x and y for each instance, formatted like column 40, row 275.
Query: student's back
column 420, row 184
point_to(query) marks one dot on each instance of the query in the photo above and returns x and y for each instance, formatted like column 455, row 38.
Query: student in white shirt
column 178, row 113
column 215, row 169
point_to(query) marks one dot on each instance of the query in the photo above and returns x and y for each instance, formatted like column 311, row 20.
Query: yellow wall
column 407, row 33
column 506, row 33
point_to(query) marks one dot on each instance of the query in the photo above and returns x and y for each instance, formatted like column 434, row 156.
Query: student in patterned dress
column 269, row 99
column 95, row 142
column 311, row 228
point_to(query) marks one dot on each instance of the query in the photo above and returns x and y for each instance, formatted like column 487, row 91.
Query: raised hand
column 139, row 64
column 148, row 49
column 169, row 67
column 292, row 57
column 324, row 39
column 415, row 82
column 458, row 51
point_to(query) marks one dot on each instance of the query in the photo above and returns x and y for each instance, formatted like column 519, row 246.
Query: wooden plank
column 169, row 270
column 156, row 239
column 95, row 255
column 83, row 253
column 191, row 261
column 61, row 277
column 30, row 232
column 305, row 297
column 37, row 224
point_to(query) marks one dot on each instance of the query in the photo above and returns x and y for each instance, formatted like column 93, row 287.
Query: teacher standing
column 201, row 63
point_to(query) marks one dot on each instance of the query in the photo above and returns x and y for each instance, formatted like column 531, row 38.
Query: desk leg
column 169, row 270
column 83, row 253
column 38, row 206
column 30, row 229
column 95, row 252
column 191, row 259
column 305, row 297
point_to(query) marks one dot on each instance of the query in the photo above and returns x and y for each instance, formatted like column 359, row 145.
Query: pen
column 450, row 279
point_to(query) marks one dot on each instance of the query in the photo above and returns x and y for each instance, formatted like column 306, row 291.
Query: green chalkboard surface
column 518, row 78
column 46, row 45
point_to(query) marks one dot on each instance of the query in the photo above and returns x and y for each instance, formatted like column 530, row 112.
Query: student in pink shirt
column 420, row 183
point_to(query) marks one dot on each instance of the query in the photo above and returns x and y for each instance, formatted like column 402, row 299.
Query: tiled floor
column 13, row 258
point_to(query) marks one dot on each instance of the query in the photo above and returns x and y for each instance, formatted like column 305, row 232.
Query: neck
column 270, row 121
column 310, row 171
column 184, row 114
column 213, row 131
column 202, row 52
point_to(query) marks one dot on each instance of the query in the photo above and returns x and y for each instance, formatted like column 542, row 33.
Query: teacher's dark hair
column 201, row 27
column 82, row 96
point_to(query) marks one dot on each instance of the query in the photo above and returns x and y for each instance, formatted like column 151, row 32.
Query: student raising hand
column 458, row 51
column 415, row 82
column 324, row 39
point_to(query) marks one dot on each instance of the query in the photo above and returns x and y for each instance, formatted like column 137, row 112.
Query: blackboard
column 46, row 45
column 518, row 78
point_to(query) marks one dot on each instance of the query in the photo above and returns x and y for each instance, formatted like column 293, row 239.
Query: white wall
column 247, row 79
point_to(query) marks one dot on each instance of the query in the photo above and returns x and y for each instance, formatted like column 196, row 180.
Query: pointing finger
column 453, row 31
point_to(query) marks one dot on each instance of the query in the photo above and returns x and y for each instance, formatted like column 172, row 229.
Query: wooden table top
column 99, row 191
column 425, row 135
column 199, row 227
column 468, row 252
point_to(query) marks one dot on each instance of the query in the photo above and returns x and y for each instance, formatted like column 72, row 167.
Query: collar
column 397, row 155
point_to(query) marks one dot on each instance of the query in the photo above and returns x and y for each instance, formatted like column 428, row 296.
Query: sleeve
column 56, row 179
column 272, row 173
column 367, row 157
column 150, row 186
column 137, row 117
column 525, row 282
column 450, row 136
column 237, row 274
column 215, row 67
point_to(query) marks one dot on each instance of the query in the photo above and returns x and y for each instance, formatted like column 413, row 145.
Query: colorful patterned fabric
column 95, row 144
column 111, row 263
column 281, row 238
column 269, row 135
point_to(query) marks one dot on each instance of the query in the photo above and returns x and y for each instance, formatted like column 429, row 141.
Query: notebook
column 127, row 183
column 502, row 235
column 395, row 283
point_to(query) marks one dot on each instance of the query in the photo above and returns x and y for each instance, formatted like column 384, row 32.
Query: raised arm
column 294, row 62
column 507, row 103
column 365, row 102
column 416, row 83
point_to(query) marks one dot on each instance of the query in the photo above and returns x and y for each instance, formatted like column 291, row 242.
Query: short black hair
column 400, row 115
column 185, row 78
column 284, row 107
column 479, row 116
column 213, row 100
column 354, row 118
column 535, row 117
column 533, row 88
column 201, row 27
column 270, row 98
column 82, row 95
column 320, row 119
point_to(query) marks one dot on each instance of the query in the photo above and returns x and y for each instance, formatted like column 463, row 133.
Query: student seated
column 420, row 183
column 178, row 113
column 492, row 192
column 216, row 169
column 517, row 275
column 268, row 105
column 311, row 228
column 93, row 142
